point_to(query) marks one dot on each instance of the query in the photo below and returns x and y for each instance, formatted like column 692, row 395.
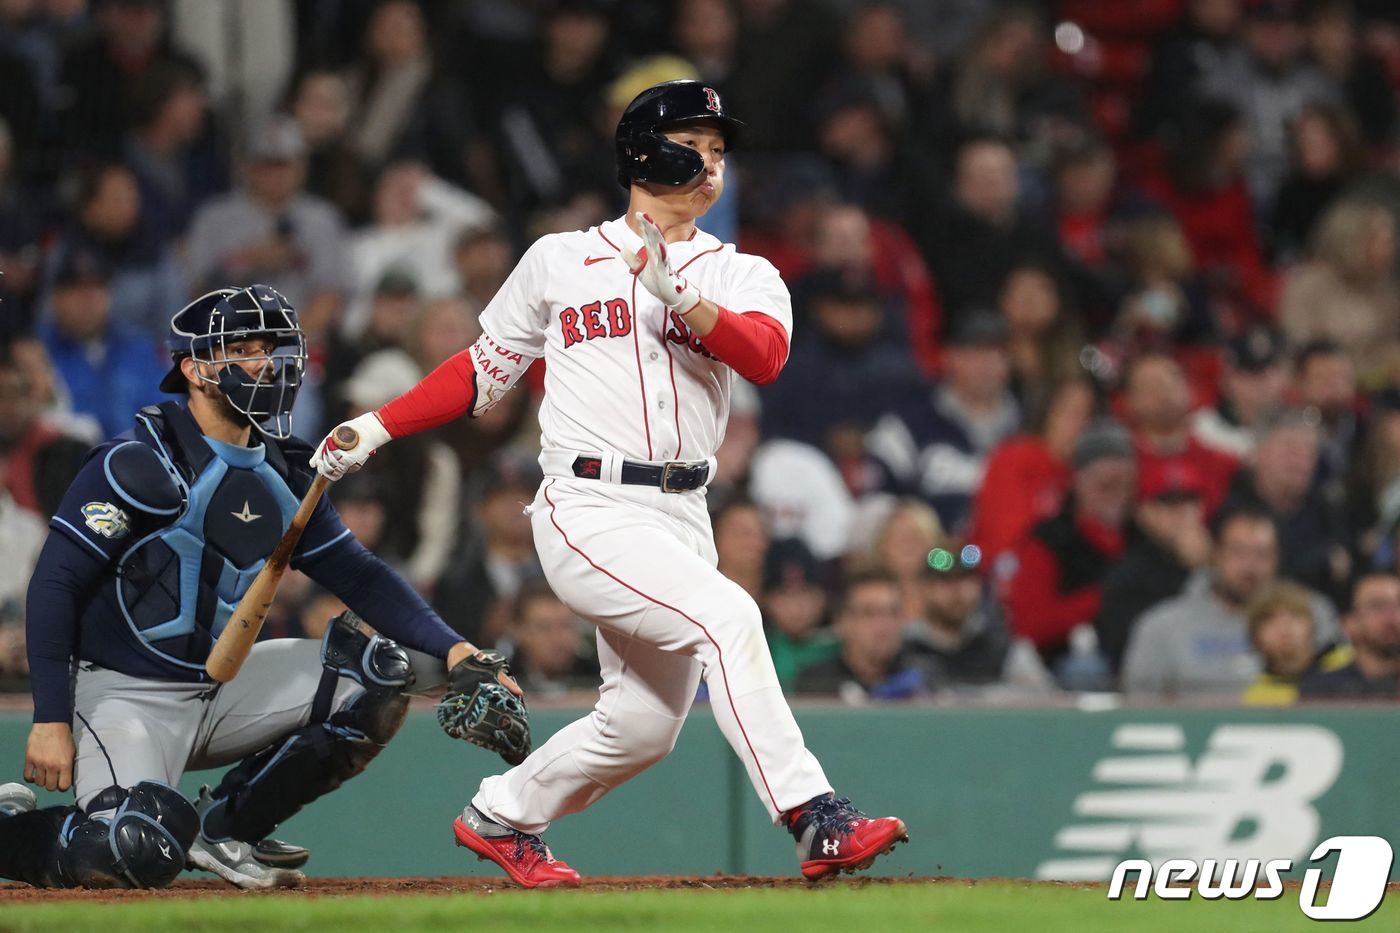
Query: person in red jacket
column 1028, row 475
column 1057, row 581
column 1157, row 400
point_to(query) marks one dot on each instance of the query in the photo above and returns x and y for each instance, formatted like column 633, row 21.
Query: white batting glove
column 653, row 269
column 333, row 463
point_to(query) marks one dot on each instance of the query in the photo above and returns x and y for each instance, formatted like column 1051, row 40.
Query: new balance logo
column 1249, row 795
column 831, row 847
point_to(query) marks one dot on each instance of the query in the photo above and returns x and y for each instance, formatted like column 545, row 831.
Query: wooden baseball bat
column 237, row 638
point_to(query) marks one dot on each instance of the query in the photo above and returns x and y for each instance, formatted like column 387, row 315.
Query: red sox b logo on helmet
column 712, row 99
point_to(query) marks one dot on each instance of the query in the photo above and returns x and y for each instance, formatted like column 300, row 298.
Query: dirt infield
column 341, row 887
column 193, row 889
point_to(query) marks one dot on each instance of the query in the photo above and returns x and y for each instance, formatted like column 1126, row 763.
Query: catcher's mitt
column 479, row 709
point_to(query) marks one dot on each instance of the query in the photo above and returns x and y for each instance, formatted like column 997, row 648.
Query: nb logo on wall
column 1249, row 795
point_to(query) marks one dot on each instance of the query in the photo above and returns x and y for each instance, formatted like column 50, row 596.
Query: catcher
column 154, row 543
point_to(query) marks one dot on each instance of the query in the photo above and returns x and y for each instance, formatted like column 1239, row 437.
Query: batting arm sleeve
column 380, row 596
column 64, row 573
column 468, row 383
column 753, row 343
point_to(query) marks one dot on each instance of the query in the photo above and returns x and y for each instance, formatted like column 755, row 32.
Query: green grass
column 950, row 906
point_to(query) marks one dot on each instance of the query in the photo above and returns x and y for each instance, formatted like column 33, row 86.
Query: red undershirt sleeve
column 443, row 395
column 753, row 343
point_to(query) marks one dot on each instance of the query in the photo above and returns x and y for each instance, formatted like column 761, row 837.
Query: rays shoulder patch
column 106, row 519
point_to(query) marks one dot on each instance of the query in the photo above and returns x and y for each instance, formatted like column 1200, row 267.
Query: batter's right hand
column 48, row 758
column 333, row 463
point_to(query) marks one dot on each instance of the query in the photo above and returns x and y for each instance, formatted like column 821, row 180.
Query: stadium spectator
column 1270, row 85
column 146, row 284
column 963, row 632
column 107, row 370
column 417, row 221
column 847, row 239
column 1281, row 480
column 1157, row 401
column 550, row 653
column 975, row 242
column 875, row 663
column 1028, row 475
column 1252, row 387
column 393, row 311
column 1167, row 543
column 38, row 460
column 320, row 103
column 1000, row 84
column 1346, row 290
column 741, row 541
column 1373, row 628
column 1166, row 303
column 1044, row 337
column 22, row 220
column 1204, row 43
column 481, row 259
column 495, row 554
column 902, row 542
column 706, row 34
column 786, row 48
column 1198, row 643
column 1202, row 184
column 23, row 532
column 1281, row 630
column 1056, row 582
column 935, row 444
column 798, row 488
column 403, row 106
column 845, row 359
column 794, row 608
column 171, row 149
column 248, row 51
column 1326, row 159
column 1372, row 488
column 422, row 491
column 101, row 70
column 1327, row 391
column 1335, row 47
column 270, row 230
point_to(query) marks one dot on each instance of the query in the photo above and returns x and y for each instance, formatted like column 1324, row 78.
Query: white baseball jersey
column 624, row 373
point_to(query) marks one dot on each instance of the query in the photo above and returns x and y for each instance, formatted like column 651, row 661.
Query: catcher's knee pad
column 262, row 791
column 141, row 845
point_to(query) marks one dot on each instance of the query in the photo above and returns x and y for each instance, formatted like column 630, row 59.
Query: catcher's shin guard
column 262, row 791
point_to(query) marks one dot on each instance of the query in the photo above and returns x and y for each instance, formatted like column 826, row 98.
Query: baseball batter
column 645, row 323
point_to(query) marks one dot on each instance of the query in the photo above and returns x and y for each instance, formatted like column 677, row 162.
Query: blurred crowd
column 1095, row 382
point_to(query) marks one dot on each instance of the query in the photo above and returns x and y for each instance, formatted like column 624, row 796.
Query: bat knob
column 346, row 437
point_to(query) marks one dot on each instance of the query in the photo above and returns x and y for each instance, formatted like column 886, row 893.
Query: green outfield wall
column 1054, row 793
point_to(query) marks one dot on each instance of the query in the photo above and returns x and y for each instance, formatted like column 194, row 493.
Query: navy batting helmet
column 203, row 328
column 643, row 154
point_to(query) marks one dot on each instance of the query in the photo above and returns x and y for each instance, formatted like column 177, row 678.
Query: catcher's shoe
column 833, row 836
column 524, row 857
column 274, row 853
column 16, row 798
column 235, row 862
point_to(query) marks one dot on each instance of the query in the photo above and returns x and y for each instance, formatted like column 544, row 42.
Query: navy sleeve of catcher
column 379, row 595
column 64, row 572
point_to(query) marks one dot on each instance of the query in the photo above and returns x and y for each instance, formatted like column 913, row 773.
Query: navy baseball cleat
column 524, row 857
column 274, row 853
column 833, row 836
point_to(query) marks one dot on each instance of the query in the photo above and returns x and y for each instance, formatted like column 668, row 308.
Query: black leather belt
column 675, row 476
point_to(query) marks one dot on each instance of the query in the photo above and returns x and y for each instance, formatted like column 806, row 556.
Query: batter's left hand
column 652, row 267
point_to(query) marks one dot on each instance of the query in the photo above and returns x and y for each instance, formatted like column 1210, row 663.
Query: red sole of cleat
column 470, row 840
column 827, row 868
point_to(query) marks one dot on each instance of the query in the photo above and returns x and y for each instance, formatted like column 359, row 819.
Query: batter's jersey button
column 661, row 403
column 654, row 354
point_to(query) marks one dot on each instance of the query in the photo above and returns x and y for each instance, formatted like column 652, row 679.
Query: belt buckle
column 666, row 474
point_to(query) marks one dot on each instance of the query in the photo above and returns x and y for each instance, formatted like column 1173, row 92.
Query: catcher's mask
column 204, row 329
